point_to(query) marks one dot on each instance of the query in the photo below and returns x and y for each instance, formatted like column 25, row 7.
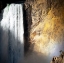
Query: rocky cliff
column 47, row 27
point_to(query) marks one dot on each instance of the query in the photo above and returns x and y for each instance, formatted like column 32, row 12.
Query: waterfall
column 11, row 34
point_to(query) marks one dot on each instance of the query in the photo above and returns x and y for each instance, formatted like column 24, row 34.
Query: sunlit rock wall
column 47, row 29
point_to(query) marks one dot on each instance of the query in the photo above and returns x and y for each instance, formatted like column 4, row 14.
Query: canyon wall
column 47, row 28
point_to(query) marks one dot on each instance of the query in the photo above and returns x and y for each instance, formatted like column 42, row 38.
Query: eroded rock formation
column 59, row 59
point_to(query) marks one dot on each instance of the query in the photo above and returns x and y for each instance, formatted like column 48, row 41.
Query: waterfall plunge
column 12, row 43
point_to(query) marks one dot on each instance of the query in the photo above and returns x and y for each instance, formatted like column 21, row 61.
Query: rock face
column 59, row 59
column 47, row 27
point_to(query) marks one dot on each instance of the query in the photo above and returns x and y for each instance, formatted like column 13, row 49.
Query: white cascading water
column 11, row 38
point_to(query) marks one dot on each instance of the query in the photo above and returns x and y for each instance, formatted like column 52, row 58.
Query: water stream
column 11, row 34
